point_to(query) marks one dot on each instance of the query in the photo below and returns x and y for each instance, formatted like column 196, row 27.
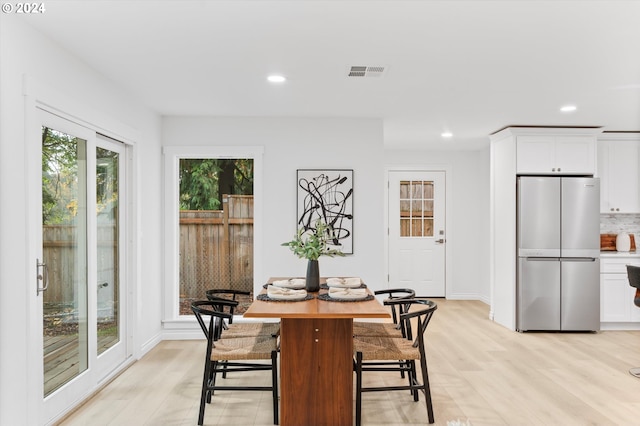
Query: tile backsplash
column 616, row 223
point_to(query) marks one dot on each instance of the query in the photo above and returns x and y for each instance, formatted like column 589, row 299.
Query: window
column 194, row 257
column 215, row 228
column 416, row 208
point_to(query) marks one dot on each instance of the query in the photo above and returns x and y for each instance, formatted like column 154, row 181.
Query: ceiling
column 466, row 67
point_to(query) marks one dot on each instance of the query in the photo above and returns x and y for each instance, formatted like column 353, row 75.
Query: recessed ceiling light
column 276, row 79
column 447, row 135
column 568, row 108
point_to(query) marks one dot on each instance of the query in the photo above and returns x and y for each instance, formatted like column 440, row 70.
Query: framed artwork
column 327, row 195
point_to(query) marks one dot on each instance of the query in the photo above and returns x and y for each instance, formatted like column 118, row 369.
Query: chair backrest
column 633, row 273
column 211, row 326
column 226, row 294
column 397, row 309
column 423, row 316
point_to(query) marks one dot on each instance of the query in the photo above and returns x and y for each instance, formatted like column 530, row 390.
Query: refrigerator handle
column 578, row 259
column 541, row 259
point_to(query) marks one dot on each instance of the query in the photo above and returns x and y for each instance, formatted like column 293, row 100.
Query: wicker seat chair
column 633, row 274
column 381, row 329
column 233, row 355
column 382, row 354
column 249, row 329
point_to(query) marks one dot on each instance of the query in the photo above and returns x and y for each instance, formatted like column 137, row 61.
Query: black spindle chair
column 382, row 354
column 237, row 355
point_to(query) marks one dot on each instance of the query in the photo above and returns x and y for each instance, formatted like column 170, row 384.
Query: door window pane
column 64, row 238
column 108, row 313
column 416, row 203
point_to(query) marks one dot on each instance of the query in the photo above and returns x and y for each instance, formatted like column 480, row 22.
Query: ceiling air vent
column 365, row 71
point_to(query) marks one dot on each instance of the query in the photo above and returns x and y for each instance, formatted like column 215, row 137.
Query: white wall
column 299, row 143
column 65, row 81
column 469, row 233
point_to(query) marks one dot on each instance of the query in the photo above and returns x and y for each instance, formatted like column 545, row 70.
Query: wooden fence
column 216, row 251
column 216, row 247
column 64, row 272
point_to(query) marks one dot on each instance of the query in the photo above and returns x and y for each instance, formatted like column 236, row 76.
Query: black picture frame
column 327, row 194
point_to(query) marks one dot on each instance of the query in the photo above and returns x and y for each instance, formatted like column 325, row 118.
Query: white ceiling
column 468, row 67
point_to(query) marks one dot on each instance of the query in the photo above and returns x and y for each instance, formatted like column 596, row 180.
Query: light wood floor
column 480, row 372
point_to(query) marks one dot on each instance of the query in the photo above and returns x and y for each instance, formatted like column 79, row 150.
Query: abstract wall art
column 327, row 195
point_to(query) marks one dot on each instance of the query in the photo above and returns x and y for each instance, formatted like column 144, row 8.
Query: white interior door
column 417, row 234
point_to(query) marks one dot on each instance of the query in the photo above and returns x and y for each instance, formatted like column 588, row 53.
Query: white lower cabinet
column 616, row 295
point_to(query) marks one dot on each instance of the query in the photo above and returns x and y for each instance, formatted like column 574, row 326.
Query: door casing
column 448, row 217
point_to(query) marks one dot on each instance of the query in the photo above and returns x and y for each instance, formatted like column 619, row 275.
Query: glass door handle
column 42, row 274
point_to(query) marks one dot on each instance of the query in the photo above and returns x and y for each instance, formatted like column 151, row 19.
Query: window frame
column 175, row 324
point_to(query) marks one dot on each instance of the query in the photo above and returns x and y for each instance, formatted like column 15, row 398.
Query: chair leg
column 406, row 365
column 204, row 395
column 427, row 388
column 358, row 388
column 212, row 380
column 224, row 369
column 274, row 380
column 413, row 378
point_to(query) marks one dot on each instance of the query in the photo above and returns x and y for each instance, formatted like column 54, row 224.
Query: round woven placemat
column 327, row 298
column 266, row 298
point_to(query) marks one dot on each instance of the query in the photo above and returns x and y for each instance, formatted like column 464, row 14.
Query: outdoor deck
column 61, row 360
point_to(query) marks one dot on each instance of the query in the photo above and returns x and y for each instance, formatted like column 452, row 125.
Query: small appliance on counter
column 623, row 242
column 558, row 271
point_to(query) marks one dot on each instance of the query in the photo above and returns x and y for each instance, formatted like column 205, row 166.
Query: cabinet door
column 614, row 298
column 535, row 155
column 623, row 177
column 575, row 154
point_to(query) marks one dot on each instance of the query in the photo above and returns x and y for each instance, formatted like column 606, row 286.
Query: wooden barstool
column 633, row 273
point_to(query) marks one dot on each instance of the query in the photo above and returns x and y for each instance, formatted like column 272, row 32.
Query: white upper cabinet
column 556, row 154
column 619, row 171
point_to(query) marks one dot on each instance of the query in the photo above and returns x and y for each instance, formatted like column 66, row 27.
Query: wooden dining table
column 316, row 356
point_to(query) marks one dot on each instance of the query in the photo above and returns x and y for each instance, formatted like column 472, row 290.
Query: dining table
column 316, row 354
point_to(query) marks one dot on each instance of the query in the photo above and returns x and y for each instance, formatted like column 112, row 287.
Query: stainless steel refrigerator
column 558, row 284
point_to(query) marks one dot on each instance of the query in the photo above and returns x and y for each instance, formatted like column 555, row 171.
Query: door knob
column 440, row 241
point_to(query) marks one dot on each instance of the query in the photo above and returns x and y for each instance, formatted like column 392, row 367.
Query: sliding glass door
column 110, row 251
column 63, row 266
column 79, row 269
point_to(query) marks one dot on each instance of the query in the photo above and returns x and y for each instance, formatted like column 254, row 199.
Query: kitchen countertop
column 620, row 254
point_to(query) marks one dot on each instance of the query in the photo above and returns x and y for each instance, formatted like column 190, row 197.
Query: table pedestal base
column 316, row 368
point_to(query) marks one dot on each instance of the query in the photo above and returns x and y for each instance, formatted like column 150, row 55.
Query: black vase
column 312, row 282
